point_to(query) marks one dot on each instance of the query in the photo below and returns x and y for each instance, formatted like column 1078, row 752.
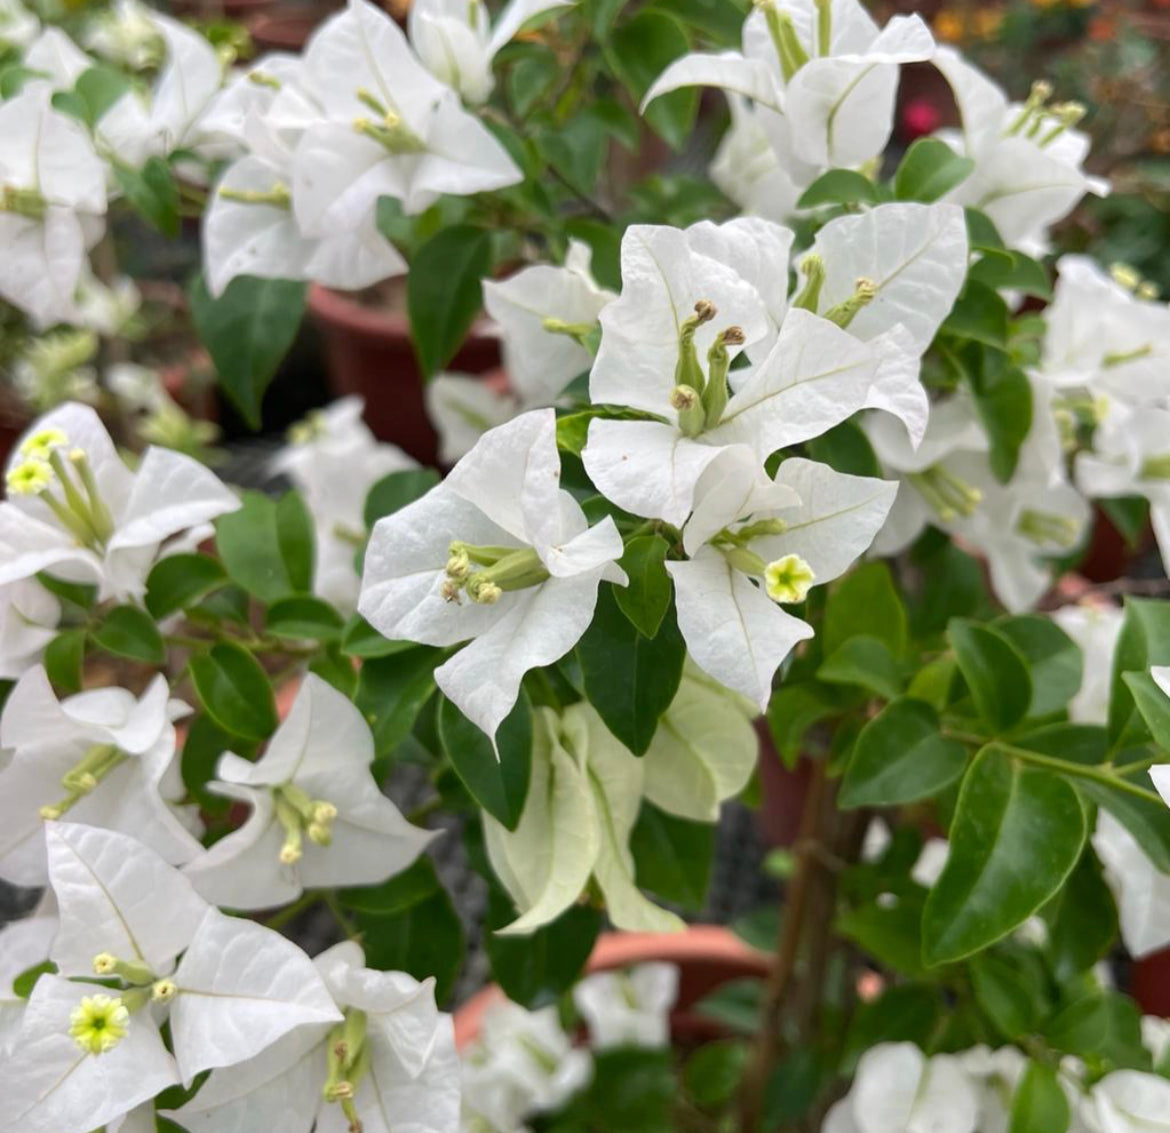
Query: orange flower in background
column 987, row 22
column 948, row 26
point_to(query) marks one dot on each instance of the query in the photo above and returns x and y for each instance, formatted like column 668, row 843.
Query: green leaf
column 903, row 1013
column 1081, row 743
column 235, row 691
column 530, row 78
column 394, row 491
column 206, row 741
column 839, row 187
column 1148, row 820
column 865, row 662
column 396, row 894
column 1003, row 399
column 267, row 546
column 79, row 594
column 722, row 20
column 901, row 756
column 99, row 88
column 632, row 1091
column 793, row 709
column 536, row 970
column 247, row 331
column 360, row 639
column 647, row 598
column 13, row 76
column 152, row 192
column 980, row 314
column 930, row 170
column 713, row 1073
column 331, row 665
column 1153, row 705
column 952, row 587
column 577, row 149
column 982, row 233
column 392, row 690
column 178, row 581
column 735, row 1005
column 1039, row 1104
column 425, row 939
column 995, row 672
column 64, row 658
column 1013, row 272
column 1144, row 642
column 1004, row 995
column 846, row 448
column 865, row 603
column 304, row 617
column 673, row 856
column 444, row 292
column 1053, row 659
column 1104, row 1025
column 1082, row 920
column 23, row 984
column 629, row 678
column 1016, row 836
column 639, row 50
column 127, row 631
column 498, row 783
column 891, row 934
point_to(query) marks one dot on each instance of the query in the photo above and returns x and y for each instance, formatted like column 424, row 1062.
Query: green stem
column 1067, row 767
column 291, row 912
column 422, row 812
column 339, row 914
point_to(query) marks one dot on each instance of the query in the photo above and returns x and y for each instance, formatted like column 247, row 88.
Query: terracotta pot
column 217, row 9
column 1109, row 556
column 369, row 352
column 707, row 956
column 1151, row 983
column 286, row 30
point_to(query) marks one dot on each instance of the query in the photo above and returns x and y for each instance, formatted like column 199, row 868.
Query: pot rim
column 703, row 943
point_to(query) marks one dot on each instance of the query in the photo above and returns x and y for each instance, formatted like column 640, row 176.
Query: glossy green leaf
column 152, row 192
column 995, row 672
column 865, row 603
column 536, row 970
column 1013, row 272
column 1144, row 642
column 1016, row 836
column 1103, row 1024
column 178, row 581
column 235, row 691
column 127, row 631
column 629, row 678
column 396, row 894
column 1003, row 993
column 930, row 170
column 1153, row 705
column 267, row 546
column 445, row 292
column 303, row 617
column 639, row 50
column 647, row 598
column 395, row 490
column 865, row 662
column 497, row 782
column 902, row 1013
column 979, row 314
column 360, row 639
column 1039, row 1104
column 673, row 856
column 1082, row 920
column 247, row 331
column 839, row 187
column 392, row 690
column 1053, row 659
column 713, row 1073
column 901, row 756
column 794, row 709
column 205, row 742
column 63, row 659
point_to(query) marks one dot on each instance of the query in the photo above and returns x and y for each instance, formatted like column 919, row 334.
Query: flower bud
column 163, row 991
column 104, row 964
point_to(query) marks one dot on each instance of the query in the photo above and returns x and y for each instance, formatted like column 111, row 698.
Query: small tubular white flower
column 318, row 818
column 95, row 520
column 529, row 539
column 103, row 757
column 628, row 1008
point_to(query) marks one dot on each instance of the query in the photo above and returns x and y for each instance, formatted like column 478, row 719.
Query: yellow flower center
column 29, row 478
column 99, row 1023
column 788, row 579
column 42, row 442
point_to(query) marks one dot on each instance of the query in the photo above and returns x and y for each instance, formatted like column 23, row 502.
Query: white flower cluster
column 356, row 118
column 523, row 1063
column 286, row 1038
column 898, row 1089
column 707, row 366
